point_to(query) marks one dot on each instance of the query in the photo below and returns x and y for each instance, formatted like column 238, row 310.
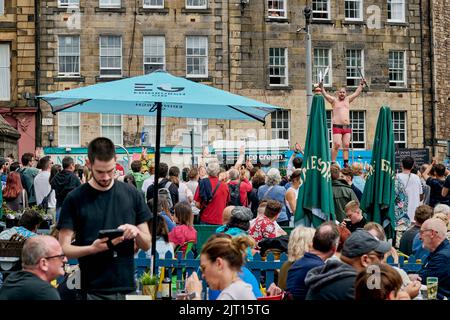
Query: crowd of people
column 251, row 208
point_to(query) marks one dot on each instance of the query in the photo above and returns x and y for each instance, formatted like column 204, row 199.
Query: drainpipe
column 229, row 64
column 422, row 71
column 37, row 73
column 433, row 102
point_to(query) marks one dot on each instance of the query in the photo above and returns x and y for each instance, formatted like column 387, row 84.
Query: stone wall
column 441, row 27
column 17, row 29
column 238, row 57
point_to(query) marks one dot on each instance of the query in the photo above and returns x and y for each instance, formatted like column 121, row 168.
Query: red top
column 245, row 187
column 212, row 214
column 120, row 168
column 181, row 234
column 263, row 228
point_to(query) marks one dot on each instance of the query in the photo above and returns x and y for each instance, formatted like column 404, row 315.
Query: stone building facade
column 255, row 49
column 17, row 71
column 437, row 101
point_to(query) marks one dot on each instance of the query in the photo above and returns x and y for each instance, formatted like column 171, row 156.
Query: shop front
column 264, row 153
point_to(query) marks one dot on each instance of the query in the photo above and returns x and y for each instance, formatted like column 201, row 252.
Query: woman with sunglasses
column 221, row 260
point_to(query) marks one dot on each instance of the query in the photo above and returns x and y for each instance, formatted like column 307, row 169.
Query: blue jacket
column 438, row 265
column 295, row 283
column 205, row 189
column 417, row 250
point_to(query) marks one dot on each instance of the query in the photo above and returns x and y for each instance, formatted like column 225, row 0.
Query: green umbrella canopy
column 378, row 196
column 315, row 196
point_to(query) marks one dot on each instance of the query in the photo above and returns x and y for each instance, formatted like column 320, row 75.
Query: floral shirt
column 401, row 206
column 263, row 228
column 21, row 231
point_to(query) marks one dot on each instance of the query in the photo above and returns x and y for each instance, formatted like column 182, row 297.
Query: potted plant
column 149, row 284
column 47, row 218
column 10, row 217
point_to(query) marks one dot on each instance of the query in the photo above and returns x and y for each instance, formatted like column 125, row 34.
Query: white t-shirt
column 238, row 290
column 413, row 188
column 147, row 182
column 183, row 192
column 287, row 202
column 192, row 185
column 42, row 188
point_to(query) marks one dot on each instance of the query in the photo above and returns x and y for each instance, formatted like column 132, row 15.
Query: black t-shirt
column 447, row 182
column 24, row 285
column 435, row 192
column 86, row 211
column 360, row 224
column 407, row 239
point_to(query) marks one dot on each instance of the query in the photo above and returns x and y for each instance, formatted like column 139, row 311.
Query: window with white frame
column 353, row 10
column 321, row 9
column 278, row 67
column 358, row 123
column 196, row 56
column 276, row 8
column 354, row 61
column 68, row 56
column 2, row 7
column 5, row 72
column 322, row 60
column 154, row 4
column 154, row 53
column 110, row 56
column 280, row 124
column 196, row 4
column 110, row 3
column 399, row 124
column 68, row 3
column 397, row 69
column 112, row 127
column 396, row 10
column 68, row 129
column 200, row 126
column 149, row 130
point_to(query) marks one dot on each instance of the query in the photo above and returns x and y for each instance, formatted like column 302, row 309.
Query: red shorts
column 338, row 130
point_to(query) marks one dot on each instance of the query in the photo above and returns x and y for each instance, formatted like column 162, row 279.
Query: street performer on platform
column 341, row 119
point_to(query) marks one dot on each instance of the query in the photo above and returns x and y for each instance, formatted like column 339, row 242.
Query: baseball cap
column 362, row 242
column 242, row 213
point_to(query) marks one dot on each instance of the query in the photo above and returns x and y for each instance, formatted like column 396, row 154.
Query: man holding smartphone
column 106, row 265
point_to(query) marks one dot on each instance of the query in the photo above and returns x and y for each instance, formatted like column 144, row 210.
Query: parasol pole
column 155, row 183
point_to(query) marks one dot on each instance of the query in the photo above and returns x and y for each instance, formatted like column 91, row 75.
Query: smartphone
column 110, row 233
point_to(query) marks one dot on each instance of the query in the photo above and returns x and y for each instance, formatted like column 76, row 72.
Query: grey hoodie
column 334, row 280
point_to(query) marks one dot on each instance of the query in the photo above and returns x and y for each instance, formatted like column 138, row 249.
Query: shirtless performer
column 341, row 119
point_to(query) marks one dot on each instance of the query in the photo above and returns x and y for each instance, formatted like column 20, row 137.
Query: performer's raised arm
column 328, row 97
column 357, row 91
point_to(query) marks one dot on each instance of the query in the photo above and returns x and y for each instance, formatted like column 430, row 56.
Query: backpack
column 235, row 194
column 44, row 204
column 165, row 193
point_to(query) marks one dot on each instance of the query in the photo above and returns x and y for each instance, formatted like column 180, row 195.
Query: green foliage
column 44, row 216
column 7, row 212
column 148, row 279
